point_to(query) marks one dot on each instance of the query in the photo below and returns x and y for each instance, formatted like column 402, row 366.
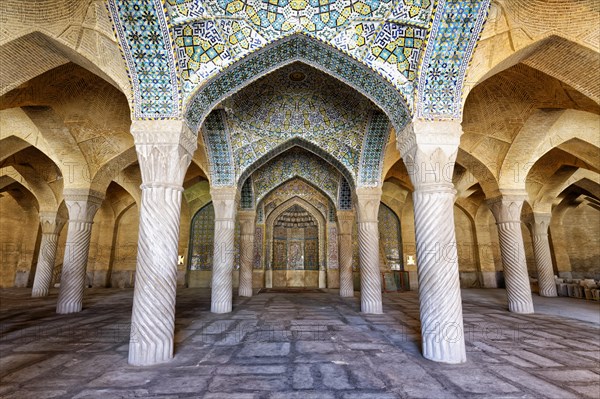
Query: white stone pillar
column 543, row 257
column 345, row 223
column 51, row 225
column 82, row 205
column 225, row 204
column 164, row 151
column 429, row 150
column 367, row 207
column 247, row 228
column 507, row 211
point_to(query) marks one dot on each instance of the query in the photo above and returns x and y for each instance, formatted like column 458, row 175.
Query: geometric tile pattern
column 372, row 151
column 389, row 236
column 202, row 239
column 307, row 50
column 296, row 162
column 297, row 188
column 453, row 37
column 141, row 27
column 345, row 197
column 318, row 108
column 247, row 200
column 348, row 25
column 216, row 140
column 251, row 140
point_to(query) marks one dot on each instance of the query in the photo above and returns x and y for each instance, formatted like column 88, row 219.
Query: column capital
column 164, row 149
column 51, row 222
column 164, row 132
column 507, row 207
column 82, row 203
column 367, row 203
column 246, row 219
column 225, row 199
column 540, row 222
column 345, row 220
column 428, row 149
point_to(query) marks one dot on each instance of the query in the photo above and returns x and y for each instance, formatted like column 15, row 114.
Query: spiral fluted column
column 507, row 212
column 345, row 223
column 543, row 257
column 225, row 204
column 164, row 150
column 247, row 227
column 82, row 205
column 51, row 225
column 429, row 150
column 367, row 205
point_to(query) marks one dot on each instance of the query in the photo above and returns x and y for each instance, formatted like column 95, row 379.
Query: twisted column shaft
column 368, row 247
column 345, row 223
column 164, row 150
column 507, row 211
column 429, row 150
column 543, row 257
column 82, row 206
column 246, row 219
column 439, row 284
column 51, row 225
column 224, row 201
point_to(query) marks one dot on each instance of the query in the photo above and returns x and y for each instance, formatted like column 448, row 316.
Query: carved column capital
column 51, row 222
column 540, row 222
column 225, row 201
column 506, row 208
column 345, row 220
column 82, row 203
column 429, row 150
column 165, row 149
column 367, row 203
column 246, row 219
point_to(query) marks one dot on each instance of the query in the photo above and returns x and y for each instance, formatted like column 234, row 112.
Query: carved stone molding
column 165, row 150
column 543, row 257
column 367, row 208
column 429, row 149
column 225, row 201
column 247, row 229
column 346, row 220
column 51, row 224
column 507, row 212
column 82, row 205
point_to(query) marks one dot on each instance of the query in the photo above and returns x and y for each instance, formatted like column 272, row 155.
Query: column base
column 522, row 308
column 247, row 292
column 445, row 351
column 66, row 308
column 36, row 293
column 347, row 293
column 148, row 354
column 220, row 307
column 549, row 294
column 371, row 307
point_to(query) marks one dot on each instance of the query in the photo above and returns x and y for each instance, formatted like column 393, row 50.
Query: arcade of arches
column 235, row 147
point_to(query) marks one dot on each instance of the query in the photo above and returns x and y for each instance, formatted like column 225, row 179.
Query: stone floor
column 296, row 345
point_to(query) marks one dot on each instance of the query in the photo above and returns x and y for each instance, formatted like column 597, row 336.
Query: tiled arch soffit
column 177, row 49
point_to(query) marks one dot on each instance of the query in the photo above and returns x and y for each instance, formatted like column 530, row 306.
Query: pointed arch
column 297, row 47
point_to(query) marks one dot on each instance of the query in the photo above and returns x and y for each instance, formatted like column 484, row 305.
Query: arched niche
column 296, row 278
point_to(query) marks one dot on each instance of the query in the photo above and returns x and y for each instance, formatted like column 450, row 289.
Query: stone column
column 164, row 150
column 543, row 258
column 429, row 150
column 345, row 224
column 225, row 204
column 82, row 205
column 247, row 229
column 507, row 212
column 367, row 206
column 51, row 226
